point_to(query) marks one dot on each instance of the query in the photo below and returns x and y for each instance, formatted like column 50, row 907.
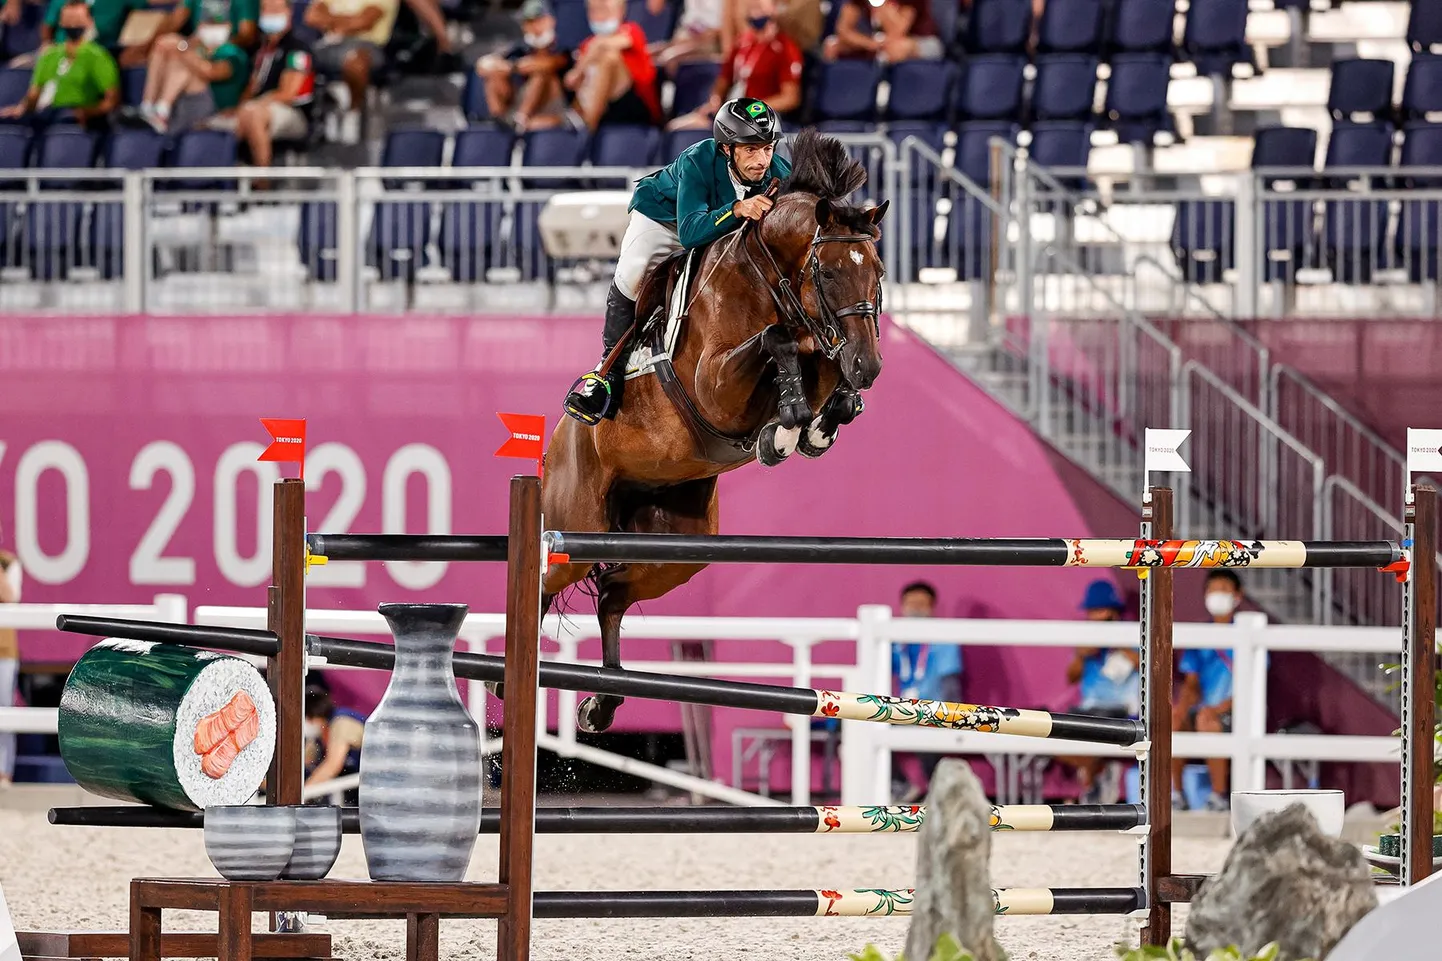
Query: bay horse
column 767, row 361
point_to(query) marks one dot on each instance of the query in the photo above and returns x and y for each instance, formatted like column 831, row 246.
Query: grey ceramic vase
column 420, row 764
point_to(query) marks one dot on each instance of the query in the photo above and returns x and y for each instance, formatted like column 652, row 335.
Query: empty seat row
column 1365, row 87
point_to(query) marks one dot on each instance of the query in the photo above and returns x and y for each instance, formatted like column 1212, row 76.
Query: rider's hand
column 752, row 208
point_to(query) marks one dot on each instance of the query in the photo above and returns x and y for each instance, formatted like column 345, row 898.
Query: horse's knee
column 779, row 342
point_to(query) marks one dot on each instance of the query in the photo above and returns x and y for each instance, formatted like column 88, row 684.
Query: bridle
column 826, row 329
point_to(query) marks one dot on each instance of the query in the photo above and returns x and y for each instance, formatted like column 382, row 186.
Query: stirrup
column 587, row 417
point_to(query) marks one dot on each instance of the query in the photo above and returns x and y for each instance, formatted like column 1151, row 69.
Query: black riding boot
column 594, row 396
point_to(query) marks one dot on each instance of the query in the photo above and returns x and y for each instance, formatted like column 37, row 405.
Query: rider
column 708, row 191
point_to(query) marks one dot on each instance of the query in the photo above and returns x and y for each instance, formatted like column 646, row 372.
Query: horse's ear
column 823, row 212
column 878, row 212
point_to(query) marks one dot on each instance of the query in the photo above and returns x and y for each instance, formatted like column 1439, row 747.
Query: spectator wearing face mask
column 613, row 78
column 923, row 672
column 186, row 20
column 1108, row 682
column 108, row 18
column 277, row 101
column 191, row 80
column 523, row 85
column 765, row 65
column 75, row 79
column 889, row 31
column 1205, row 700
column 355, row 34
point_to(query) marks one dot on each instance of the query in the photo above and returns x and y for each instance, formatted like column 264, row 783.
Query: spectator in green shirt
column 109, row 17
column 242, row 15
column 192, row 80
column 77, row 77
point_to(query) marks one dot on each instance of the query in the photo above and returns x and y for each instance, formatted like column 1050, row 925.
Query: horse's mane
column 821, row 166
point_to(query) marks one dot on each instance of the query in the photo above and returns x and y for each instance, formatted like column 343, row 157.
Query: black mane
column 821, row 166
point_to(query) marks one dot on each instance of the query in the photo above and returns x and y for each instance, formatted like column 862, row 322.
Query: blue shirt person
column 333, row 738
column 1108, row 683
column 1204, row 701
column 922, row 672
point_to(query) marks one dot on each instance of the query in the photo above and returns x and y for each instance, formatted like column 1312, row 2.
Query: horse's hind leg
column 685, row 509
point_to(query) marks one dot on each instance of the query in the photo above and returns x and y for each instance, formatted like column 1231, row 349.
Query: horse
column 766, row 362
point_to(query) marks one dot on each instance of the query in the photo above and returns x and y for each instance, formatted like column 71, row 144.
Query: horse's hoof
column 814, row 442
column 776, row 444
column 849, row 408
column 795, row 415
column 496, row 689
column 595, row 715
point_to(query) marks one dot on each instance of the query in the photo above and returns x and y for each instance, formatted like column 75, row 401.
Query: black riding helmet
column 745, row 120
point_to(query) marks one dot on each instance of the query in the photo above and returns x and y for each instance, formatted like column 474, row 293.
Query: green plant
column 947, row 949
column 1177, row 951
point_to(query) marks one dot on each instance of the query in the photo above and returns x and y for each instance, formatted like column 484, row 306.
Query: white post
column 875, row 632
column 1249, row 720
column 566, row 701
column 170, row 608
column 800, row 726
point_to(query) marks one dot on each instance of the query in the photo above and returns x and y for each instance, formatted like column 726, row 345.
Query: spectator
column 923, row 672
column 613, row 78
column 766, row 65
column 9, row 659
column 1205, row 701
column 802, row 21
column 333, row 738
column 109, row 17
column 888, row 31
column 355, row 36
column 537, row 65
column 698, row 33
column 1110, row 684
column 74, row 79
column 190, row 81
column 277, row 101
column 186, row 20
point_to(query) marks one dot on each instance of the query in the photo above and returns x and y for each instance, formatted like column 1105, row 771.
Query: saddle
column 665, row 296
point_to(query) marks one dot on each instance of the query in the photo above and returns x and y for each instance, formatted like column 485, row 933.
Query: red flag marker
column 528, row 433
column 287, row 442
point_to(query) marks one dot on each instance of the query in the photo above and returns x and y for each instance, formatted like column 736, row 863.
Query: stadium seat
column 15, row 145
column 1065, row 87
column 66, row 148
column 846, row 90
column 1142, row 26
column 1284, row 147
column 202, row 148
column 134, row 149
column 397, row 243
column 125, row 149
column 1287, row 229
column 14, row 82
column 1361, row 86
column 1062, row 143
column 945, row 14
column 678, row 140
column 999, row 26
column 473, row 99
column 1202, row 239
column 301, row 30
column 694, row 81
column 572, row 27
column 1419, row 230
column 1353, row 230
column 921, row 90
column 1070, row 26
column 1422, row 92
column 991, row 88
column 973, row 148
column 1136, row 104
column 413, row 148
column 470, row 233
column 1215, row 36
column 1424, row 28
column 317, row 239
column 553, row 148
column 658, row 28
column 132, row 86
column 483, row 146
column 622, row 145
column 23, row 37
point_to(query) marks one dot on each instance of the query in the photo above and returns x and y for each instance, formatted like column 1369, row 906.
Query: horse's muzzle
column 860, row 368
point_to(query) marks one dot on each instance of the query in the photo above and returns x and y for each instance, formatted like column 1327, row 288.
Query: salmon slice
column 221, row 736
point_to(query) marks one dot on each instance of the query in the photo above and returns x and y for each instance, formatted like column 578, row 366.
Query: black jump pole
column 408, row 547
column 235, row 639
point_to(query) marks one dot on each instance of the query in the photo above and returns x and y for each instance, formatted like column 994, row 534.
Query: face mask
column 604, row 28
column 72, row 33
column 274, row 22
column 759, row 23
column 213, row 36
column 540, row 41
column 312, row 730
column 1220, row 603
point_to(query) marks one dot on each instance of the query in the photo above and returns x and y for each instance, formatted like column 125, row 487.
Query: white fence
column 865, row 748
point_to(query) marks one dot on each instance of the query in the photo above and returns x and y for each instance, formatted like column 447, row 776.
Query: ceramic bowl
column 317, row 842
column 249, row 842
column 1328, row 808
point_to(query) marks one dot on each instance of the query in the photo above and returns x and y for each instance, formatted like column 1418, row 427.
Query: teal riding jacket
column 695, row 193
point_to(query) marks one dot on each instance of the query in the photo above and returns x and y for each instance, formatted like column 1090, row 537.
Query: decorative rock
column 953, row 879
column 1284, row 881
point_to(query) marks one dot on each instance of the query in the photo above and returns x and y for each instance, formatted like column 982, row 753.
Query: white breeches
column 644, row 239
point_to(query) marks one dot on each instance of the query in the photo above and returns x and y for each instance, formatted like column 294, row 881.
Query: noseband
column 826, row 329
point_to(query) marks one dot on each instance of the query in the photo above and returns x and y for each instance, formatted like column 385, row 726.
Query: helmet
column 746, row 120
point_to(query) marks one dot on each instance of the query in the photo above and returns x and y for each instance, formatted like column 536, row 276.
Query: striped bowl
column 317, row 842
column 249, row 842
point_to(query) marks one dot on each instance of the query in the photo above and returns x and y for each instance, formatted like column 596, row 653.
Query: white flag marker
column 1424, row 449
column 1162, row 450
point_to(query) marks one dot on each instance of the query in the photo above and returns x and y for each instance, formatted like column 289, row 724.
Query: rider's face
column 753, row 159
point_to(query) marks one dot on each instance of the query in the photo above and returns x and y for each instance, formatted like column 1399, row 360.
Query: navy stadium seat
column 623, row 145
column 1202, row 239
column 1070, row 26
column 473, row 98
column 126, row 149
column 991, row 88
column 693, row 84
column 1354, row 229
column 1287, row 231
column 999, row 26
column 973, row 148
column 15, row 145
column 1422, row 92
column 1284, row 147
column 1424, row 27
column 134, row 149
column 1136, row 104
column 846, row 90
column 483, row 146
column 132, row 86
column 1061, row 143
column 572, row 27
column 397, row 243
column 921, row 90
column 202, row 148
column 1360, row 145
column 413, row 148
column 1215, row 37
column 674, row 142
column 14, row 83
column 553, row 148
column 1142, row 26
column 1419, row 230
column 1361, row 86
column 318, row 240
column 1065, row 87
column 470, row 233
column 66, row 148
column 656, row 27
column 23, row 37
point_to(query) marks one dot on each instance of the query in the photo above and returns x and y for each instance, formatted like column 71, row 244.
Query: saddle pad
column 642, row 360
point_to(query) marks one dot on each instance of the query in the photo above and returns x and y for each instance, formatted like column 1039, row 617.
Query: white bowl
column 1328, row 808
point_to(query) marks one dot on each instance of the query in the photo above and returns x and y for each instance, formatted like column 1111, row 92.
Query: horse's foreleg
column 781, row 346
column 841, row 408
column 597, row 712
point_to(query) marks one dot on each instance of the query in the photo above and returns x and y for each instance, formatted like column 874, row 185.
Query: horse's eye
column 827, row 273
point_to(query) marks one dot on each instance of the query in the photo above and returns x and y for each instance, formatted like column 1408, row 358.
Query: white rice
column 212, row 690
